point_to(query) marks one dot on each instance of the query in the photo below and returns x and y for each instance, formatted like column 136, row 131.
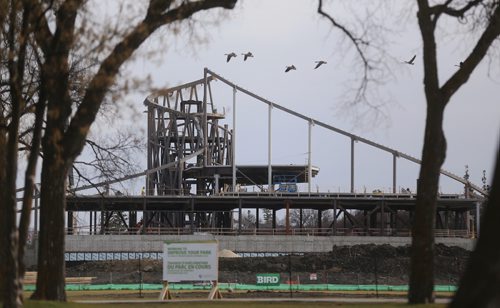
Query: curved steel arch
column 353, row 137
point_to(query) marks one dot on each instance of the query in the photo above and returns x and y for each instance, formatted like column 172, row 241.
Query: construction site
column 194, row 189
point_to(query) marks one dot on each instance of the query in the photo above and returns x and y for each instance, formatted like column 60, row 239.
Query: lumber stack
column 30, row 278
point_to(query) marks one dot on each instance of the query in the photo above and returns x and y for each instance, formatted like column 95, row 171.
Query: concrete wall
column 243, row 243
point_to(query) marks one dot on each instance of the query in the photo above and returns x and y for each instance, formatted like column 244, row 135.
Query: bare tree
column 63, row 143
column 109, row 157
column 483, row 17
column 14, row 36
column 57, row 35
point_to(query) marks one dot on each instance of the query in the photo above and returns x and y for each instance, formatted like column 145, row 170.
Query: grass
column 197, row 300
column 215, row 304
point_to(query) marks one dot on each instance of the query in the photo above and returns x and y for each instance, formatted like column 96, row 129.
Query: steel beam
column 352, row 165
column 233, row 140
column 394, row 157
column 205, row 122
column 309, row 151
column 340, row 131
column 270, row 187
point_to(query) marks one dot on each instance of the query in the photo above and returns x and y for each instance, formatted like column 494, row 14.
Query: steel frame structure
column 181, row 125
column 353, row 214
column 191, row 158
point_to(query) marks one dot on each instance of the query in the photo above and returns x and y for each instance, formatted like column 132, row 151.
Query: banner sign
column 268, row 279
column 190, row 261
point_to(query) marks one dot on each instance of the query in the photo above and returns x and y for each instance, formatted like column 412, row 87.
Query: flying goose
column 412, row 60
column 247, row 55
column 319, row 63
column 289, row 68
column 229, row 56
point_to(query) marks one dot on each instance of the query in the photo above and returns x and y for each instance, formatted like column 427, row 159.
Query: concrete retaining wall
column 243, row 243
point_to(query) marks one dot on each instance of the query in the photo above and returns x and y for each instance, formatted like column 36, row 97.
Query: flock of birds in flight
column 318, row 63
column 249, row 54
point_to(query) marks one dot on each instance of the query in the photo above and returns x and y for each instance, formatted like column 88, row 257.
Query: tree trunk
column 4, row 234
column 29, row 184
column 422, row 251
column 51, row 267
column 11, row 295
column 480, row 284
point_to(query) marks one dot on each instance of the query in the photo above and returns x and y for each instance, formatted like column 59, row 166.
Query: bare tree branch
column 358, row 42
column 38, row 20
column 96, row 90
column 445, row 8
column 491, row 33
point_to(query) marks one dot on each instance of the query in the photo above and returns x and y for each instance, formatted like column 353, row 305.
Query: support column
column 180, row 179
column 274, row 220
column 320, row 214
column 145, row 215
column 191, row 215
column 382, row 219
column 301, row 221
column 70, row 222
column 478, row 218
column 287, row 217
column 233, row 140
column 216, row 188
column 102, row 218
column 447, row 219
column 467, row 222
column 344, row 219
column 151, row 128
column 205, row 120
column 394, row 156
column 334, row 224
column 269, row 151
column 352, row 165
column 392, row 222
column 240, row 215
column 457, row 220
column 367, row 220
column 309, row 152
column 257, row 218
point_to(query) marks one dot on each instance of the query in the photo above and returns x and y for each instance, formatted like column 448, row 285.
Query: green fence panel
column 246, row 287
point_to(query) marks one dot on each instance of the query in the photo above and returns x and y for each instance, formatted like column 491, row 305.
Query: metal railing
column 391, row 232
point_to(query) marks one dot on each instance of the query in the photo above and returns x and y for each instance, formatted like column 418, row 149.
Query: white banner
column 190, row 261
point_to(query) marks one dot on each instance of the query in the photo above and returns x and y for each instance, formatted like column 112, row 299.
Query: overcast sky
column 281, row 33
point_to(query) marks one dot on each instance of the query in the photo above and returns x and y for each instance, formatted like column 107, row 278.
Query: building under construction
column 193, row 182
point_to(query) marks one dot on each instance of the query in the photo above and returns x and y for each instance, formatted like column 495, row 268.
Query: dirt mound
column 226, row 253
column 360, row 264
